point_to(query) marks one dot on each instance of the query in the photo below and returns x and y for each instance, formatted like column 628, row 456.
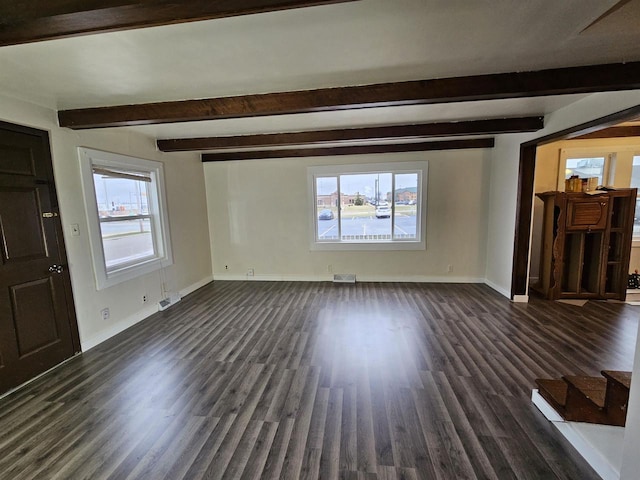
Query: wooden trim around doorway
column 524, row 205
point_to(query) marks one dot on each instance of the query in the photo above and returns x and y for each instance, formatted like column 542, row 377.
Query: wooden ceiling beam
column 350, row 150
column 38, row 20
column 426, row 130
column 560, row 81
column 612, row 132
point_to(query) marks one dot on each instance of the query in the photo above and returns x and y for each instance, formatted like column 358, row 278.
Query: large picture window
column 126, row 213
column 373, row 206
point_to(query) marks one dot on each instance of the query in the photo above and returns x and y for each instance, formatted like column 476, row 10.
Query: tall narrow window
column 126, row 215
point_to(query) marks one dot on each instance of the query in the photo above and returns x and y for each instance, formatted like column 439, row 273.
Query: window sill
column 372, row 246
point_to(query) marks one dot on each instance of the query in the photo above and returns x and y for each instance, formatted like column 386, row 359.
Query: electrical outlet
column 250, row 272
column 329, row 268
column 449, row 268
column 144, row 299
column 105, row 313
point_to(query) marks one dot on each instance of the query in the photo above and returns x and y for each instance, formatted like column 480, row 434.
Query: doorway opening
column 525, row 195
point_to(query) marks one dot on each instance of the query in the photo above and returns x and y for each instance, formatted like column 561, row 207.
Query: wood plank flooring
column 250, row 380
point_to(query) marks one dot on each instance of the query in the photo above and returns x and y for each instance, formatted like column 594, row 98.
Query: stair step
column 618, row 384
column 622, row 378
column 554, row 392
column 593, row 388
column 602, row 400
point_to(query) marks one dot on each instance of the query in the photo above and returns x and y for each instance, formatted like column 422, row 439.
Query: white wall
column 187, row 218
column 630, row 458
column 259, row 218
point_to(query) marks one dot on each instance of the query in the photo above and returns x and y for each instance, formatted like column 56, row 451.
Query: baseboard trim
column 273, row 278
column 131, row 320
column 195, row 286
column 116, row 328
column 497, row 288
column 585, row 437
column 359, row 278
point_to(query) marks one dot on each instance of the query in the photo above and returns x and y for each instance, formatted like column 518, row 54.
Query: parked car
column 325, row 214
column 383, row 211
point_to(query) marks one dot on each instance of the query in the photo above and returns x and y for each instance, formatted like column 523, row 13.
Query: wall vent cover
column 170, row 300
column 344, row 278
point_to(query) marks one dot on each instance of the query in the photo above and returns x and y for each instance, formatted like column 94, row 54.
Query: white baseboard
column 115, row 328
column 418, row 279
column 130, row 321
column 497, row 288
column 359, row 278
column 195, row 286
column 600, row 445
column 273, row 278
column 547, row 410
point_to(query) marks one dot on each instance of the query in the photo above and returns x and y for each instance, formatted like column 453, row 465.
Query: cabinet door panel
column 587, row 213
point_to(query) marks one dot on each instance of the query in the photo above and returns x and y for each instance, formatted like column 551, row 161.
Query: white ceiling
column 363, row 42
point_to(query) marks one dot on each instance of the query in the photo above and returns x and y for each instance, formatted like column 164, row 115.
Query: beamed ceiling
column 259, row 79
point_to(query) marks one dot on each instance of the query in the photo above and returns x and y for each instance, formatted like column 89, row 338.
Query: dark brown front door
column 38, row 326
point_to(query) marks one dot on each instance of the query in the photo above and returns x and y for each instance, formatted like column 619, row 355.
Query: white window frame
column 568, row 153
column 157, row 209
column 420, row 167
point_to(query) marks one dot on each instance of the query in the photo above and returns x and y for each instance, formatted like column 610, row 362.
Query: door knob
column 56, row 268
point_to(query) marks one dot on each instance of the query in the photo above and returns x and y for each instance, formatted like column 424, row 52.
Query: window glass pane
column 368, row 206
column 365, row 202
column 327, row 208
column 635, row 183
column 406, row 200
column 127, row 241
column 120, row 196
column 585, row 168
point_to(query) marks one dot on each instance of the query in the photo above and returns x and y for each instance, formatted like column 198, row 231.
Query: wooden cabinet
column 586, row 244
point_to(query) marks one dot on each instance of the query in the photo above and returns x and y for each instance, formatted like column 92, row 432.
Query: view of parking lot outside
column 356, row 207
column 124, row 240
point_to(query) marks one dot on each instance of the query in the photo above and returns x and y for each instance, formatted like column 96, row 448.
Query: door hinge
column 49, row 214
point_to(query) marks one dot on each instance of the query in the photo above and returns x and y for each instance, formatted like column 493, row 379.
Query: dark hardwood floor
column 314, row 380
